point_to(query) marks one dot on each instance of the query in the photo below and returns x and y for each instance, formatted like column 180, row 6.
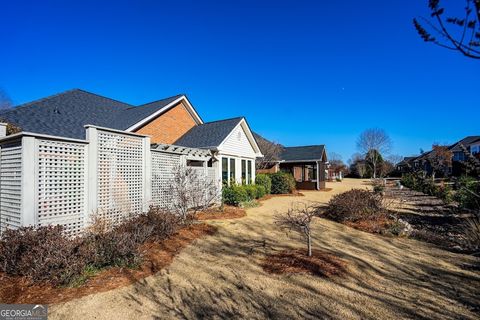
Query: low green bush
column 251, row 191
column 265, row 181
column 282, row 183
column 234, row 195
column 467, row 192
column 260, row 191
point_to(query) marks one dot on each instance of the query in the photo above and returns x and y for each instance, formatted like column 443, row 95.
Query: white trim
column 116, row 131
column 157, row 113
column 249, row 135
column 38, row 135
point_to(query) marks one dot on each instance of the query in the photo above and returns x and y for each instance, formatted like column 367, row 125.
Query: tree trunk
column 309, row 240
column 374, row 170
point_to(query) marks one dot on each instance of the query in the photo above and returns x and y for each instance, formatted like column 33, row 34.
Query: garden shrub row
column 235, row 195
column 427, row 186
column 46, row 253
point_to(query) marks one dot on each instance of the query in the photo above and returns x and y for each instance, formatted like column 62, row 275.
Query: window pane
column 224, row 169
column 232, row 169
column 249, row 168
column 244, row 171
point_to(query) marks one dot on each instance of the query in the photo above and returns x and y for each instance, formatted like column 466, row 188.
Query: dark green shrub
column 354, row 205
column 467, row 192
column 251, row 191
column 234, row 195
column 265, row 181
column 282, row 183
column 445, row 193
column 260, row 191
column 410, row 180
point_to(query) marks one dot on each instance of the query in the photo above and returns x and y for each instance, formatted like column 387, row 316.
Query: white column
column 147, row 174
column 92, row 173
column 318, row 175
column 3, row 129
column 29, row 178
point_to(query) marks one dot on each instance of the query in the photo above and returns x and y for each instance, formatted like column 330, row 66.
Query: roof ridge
column 310, row 145
column 240, row 117
column 28, row 104
column 99, row 95
column 155, row 101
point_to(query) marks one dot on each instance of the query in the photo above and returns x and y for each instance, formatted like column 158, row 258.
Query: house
column 422, row 162
column 170, row 121
column 307, row 164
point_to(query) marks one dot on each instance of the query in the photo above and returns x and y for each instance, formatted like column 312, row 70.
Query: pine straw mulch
column 321, row 264
column 228, row 212
column 156, row 256
column 379, row 225
column 296, row 193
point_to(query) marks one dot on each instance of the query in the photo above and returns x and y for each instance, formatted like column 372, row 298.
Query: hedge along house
column 79, row 152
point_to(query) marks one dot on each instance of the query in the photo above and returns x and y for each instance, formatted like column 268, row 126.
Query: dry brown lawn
column 221, row 277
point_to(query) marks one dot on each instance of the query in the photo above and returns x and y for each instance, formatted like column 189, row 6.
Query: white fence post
column 92, row 173
column 147, row 174
column 29, row 195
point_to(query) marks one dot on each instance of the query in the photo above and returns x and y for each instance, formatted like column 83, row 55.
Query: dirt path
column 220, row 277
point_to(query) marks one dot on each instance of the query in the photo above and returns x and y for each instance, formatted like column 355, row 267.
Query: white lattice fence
column 163, row 164
column 120, row 175
column 61, row 181
column 10, row 185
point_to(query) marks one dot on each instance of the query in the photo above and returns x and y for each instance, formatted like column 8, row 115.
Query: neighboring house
column 168, row 121
column 421, row 162
column 307, row 164
column 405, row 165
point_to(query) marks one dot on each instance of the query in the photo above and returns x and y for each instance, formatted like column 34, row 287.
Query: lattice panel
column 61, row 184
column 163, row 165
column 10, row 185
column 120, row 175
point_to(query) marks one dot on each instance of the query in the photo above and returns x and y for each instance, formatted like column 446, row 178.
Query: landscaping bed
column 321, row 264
column 219, row 213
column 155, row 256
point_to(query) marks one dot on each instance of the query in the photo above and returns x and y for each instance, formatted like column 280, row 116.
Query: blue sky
column 302, row 72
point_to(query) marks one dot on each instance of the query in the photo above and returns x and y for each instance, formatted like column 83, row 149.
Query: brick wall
column 170, row 126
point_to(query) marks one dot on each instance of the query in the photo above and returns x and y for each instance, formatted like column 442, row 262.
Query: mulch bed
column 321, row 264
column 270, row 196
column 228, row 212
column 156, row 256
column 379, row 225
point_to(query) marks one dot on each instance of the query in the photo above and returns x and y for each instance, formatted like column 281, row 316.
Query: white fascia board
column 250, row 138
column 164, row 109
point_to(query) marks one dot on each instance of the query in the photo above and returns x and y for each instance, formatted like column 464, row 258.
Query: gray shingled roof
column 209, row 134
column 67, row 113
column 303, row 153
column 467, row 141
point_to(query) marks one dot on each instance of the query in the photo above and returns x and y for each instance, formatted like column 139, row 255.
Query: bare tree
column 271, row 152
column 472, row 163
column 373, row 143
column 394, row 158
column 440, row 159
column 298, row 218
column 460, row 34
column 5, row 101
column 192, row 191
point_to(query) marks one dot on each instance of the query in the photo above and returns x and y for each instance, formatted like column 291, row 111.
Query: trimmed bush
column 234, row 195
column 354, row 205
column 260, row 191
column 282, row 183
column 251, row 191
column 265, row 181
column 466, row 194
